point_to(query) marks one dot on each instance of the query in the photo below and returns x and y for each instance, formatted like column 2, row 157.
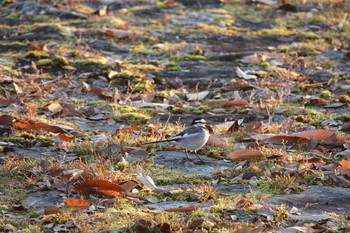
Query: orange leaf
column 64, row 137
column 345, row 163
column 280, row 139
column 98, row 187
column 316, row 134
column 71, row 202
column 128, row 130
column 109, row 32
column 245, row 154
column 37, row 126
column 190, row 208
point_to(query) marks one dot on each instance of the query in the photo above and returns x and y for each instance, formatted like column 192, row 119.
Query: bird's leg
column 188, row 156
column 195, row 152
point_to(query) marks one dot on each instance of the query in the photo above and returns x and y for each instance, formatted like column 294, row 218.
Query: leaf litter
column 74, row 116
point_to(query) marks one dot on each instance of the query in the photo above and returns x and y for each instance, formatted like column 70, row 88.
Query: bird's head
column 198, row 121
column 202, row 122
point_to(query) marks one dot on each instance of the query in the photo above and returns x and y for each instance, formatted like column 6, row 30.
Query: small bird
column 192, row 138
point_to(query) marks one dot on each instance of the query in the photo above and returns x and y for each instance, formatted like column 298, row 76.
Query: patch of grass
column 164, row 176
column 280, row 185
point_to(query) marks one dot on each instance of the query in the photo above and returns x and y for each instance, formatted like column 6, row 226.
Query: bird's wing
column 189, row 130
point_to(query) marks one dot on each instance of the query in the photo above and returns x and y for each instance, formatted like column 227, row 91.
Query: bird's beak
column 209, row 128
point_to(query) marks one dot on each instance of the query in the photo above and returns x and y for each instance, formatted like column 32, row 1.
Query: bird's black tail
column 167, row 140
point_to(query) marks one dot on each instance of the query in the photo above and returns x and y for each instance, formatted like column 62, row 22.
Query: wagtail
column 192, row 138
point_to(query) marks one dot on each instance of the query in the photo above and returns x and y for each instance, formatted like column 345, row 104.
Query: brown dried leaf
column 196, row 223
column 282, row 139
column 5, row 102
column 190, row 208
column 216, row 141
column 6, row 120
column 245, row 154
column 254, row 126
column 55, row 107
column 236, row 103
column 317, row 134
column 129, row 185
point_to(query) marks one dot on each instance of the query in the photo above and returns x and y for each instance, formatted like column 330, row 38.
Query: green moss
column 90, row 61
column 172, row 66
column 41, row 18
column 200, row 110
column 76, row 53
column 133, row 118
column 37, row 54
column 344, row 98
column 60, row 60
column 178, row 110
column 44, row 62
column 326, row 94
column 44, row 142
column 164, row 176
column 13, row 14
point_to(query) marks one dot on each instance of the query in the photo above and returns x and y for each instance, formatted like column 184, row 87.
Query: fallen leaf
column 71, row 202
column 245, row 154
column 6, row 120
column 51, row 210
column 37, row 126
column 233, row 128
column 197, row 96
column 103, row 187
column 345, row 163
column 196, row 223
column 64, row 137
column 55, row 107
column 316, row 134
column 216, row 141
column 311, row 160
column 282, row 139
column 147, row 181
column 68, row 67
column 244, row 75
column 236, row 103
column 128, row 130
column 190, row 208
column 5, row 102
column 129, row 185
column 119, row 34
column 254, row 126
